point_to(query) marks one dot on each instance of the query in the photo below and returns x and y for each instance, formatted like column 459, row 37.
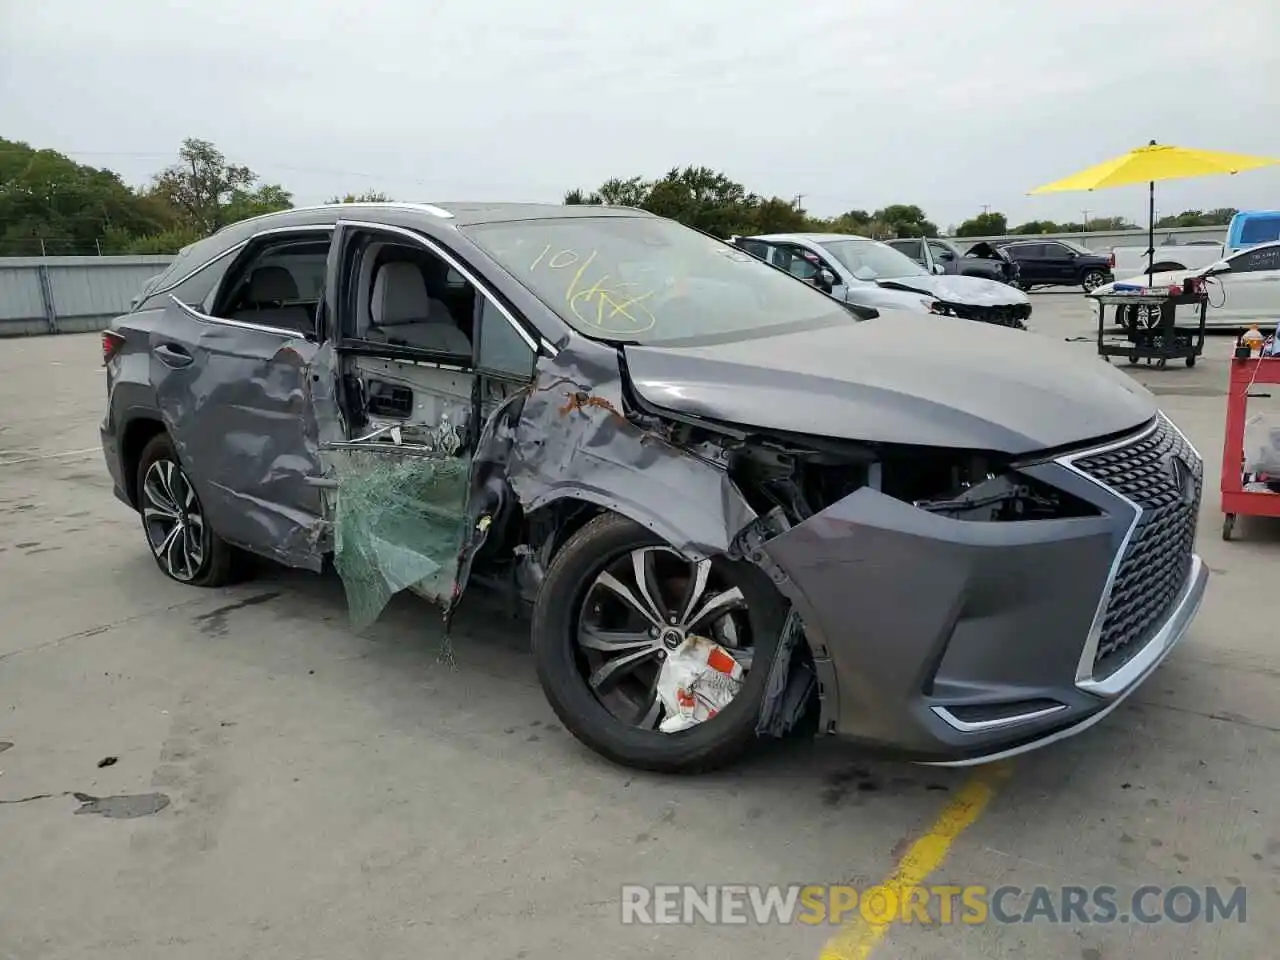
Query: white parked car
column 1244, row 289
column 869, row 273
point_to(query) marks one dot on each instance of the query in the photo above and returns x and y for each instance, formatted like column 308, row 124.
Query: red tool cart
column 1246, row 374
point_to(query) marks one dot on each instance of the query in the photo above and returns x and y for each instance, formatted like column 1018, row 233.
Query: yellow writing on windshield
column 617, row 307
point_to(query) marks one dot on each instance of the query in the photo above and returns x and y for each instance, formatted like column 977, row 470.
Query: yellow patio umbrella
column 1156, row 161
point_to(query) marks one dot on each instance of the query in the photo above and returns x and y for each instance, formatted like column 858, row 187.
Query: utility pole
column 796, row 202
column 1085, row 227
column 986, row 208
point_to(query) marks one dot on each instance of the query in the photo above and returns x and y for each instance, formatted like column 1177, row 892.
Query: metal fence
column 69, row 294
column 1103, row 240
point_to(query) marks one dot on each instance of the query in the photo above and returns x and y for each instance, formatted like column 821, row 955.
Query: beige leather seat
column 403, row 312
column 269, row 290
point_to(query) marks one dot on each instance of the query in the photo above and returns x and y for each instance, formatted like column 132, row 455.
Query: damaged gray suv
column 736, row 505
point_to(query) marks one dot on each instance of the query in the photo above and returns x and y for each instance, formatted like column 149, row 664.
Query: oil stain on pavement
column 214, row 623
column 123, row 807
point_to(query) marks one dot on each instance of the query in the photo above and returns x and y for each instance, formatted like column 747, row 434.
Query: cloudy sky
column 852, row 103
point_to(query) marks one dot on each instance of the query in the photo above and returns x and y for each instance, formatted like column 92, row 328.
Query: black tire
column 1191, row 361
column 1228, row 525
column 1091, row 280
column 710, row 744
column 196, row 555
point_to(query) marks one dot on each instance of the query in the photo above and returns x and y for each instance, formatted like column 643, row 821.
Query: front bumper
column 1003, row 315
column 960, row 642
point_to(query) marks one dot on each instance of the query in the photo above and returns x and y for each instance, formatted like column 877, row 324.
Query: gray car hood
column 898, row 378
column 954, row 288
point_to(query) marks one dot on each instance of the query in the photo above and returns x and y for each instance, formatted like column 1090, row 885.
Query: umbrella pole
column 1151, row 230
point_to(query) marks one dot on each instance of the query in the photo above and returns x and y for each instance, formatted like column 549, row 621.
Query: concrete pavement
column 297, row 790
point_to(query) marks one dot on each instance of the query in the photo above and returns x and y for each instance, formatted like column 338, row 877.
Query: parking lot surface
column 236, row 773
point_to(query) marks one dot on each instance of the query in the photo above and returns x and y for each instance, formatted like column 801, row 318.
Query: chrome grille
column 1157, row 557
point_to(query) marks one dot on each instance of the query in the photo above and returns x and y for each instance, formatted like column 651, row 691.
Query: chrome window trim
column 977, row 726
column 453, row 262
column 234, row 248
column 196, row 315
column 1115, row 683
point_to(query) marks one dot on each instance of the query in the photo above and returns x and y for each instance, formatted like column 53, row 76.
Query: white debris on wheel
column 697, row 680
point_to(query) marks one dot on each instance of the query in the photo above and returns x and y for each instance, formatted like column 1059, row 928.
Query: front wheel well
column 137, row 435
column 550, row 527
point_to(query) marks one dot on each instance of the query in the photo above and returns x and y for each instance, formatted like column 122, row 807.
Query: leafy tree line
column 49, row 204
column 709, row 200
column 996, row 224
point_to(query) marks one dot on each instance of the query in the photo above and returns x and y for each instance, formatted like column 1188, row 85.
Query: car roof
column 455, row 213
column 810, row 237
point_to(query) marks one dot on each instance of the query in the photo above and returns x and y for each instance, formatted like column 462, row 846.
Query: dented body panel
column 573, row 442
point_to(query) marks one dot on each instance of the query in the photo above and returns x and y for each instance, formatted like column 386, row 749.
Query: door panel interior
column 400, row 483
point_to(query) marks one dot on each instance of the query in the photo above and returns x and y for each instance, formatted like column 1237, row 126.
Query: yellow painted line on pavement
column 858, row 939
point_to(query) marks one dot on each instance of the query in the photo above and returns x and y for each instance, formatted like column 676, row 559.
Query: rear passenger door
column 1060, row 263
column 1251, row 289
column 1033, row 266
column 233, row 386
column 943, row 255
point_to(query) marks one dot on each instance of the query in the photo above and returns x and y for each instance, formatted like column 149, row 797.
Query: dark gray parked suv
column 734, row 503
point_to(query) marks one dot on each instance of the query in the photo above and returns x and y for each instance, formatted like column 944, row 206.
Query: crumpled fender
column 572, row 441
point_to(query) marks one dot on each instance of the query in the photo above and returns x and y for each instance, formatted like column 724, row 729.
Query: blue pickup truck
column 1247, row 228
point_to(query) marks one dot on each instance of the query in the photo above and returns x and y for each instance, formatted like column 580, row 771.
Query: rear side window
column 276, row 282
column 912, row 248
column 1259, row 230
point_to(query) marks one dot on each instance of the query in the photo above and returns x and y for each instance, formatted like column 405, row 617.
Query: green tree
column 51, row 204
column 906, row 220
column 776, row 215
column 984, row 225
column 1110, row 223
column 1034, row 227
column 1199, row 218
column 208, row 193
column 369, row 196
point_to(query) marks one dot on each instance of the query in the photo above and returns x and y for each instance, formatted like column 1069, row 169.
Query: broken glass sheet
column 398, row 524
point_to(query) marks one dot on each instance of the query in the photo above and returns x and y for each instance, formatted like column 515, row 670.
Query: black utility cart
column 1146, row 319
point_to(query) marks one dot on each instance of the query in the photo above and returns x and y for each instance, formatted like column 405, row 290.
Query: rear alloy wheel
column 183, row 544
column 1092, row 280
column 615, row 603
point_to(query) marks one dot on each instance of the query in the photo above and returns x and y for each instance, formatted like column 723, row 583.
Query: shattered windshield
column 871, row 260
column 648, row 280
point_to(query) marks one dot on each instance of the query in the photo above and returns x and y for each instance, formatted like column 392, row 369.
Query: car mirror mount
column 939, row 268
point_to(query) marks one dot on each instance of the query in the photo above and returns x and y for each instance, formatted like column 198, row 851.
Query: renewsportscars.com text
column 930, row 905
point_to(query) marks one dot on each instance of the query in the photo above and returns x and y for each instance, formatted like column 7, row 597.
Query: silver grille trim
column 1087, row 666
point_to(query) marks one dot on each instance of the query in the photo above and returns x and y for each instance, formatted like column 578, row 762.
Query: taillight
column 112, row 343
column 1111, row 260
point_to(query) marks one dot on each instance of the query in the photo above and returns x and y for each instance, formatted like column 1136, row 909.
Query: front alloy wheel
column 615, row 602
column 639, row 609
